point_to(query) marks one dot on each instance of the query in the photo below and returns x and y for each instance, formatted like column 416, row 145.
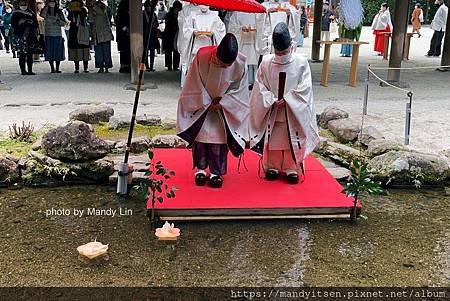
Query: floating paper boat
column 92, row 250
column 167, row 232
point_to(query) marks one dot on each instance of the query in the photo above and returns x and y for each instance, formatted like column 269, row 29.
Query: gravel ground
column 48, row 98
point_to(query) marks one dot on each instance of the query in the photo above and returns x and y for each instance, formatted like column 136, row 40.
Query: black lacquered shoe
column 292, row 178
column 271, row 175
column 216, row 182
column 200, row 179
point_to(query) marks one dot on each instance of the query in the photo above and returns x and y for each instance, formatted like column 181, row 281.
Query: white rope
column 386, row 83
column 406, row 68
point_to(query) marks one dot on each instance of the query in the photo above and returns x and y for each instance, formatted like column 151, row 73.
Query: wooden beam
column 136, row 38
column 398, row 39
column 317, row 29
column 253, row 217
column 445, row 60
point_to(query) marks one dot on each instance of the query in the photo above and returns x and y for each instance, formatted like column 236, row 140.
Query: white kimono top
column 248, row 40
column 270, row 20
column 200, row 21
column 297, row 121
column 204, row 82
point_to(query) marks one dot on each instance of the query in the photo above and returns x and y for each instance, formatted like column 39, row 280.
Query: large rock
column 74, row 142
column 138, row 145
column 41, row 170
column 340, row 153
column 345, row 130
column 381, row 146
column 446, row 154
column 92, row 114
column 148, row 119
column 9, row 171
column 119, row 122
column 331, row 113
column 405, row 168
column 168, row 141
column 37, row 145
column 370, row 133
column 169, row 123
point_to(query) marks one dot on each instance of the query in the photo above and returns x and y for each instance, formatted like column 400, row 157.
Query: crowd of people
column 178, row 32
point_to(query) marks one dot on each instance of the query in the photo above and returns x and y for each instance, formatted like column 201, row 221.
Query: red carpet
column 247, row 191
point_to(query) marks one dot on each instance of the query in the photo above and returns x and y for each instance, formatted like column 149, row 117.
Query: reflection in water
column 404, row 242
column 294, row 276
column 443, row 257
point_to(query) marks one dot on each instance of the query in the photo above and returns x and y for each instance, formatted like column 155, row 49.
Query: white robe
column 247, row 40
column 204, row 82
column 299, row 117
column 184, row 16
column 200, row 21
column 270, row 20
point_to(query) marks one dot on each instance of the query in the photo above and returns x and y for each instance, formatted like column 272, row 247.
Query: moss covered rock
column 409, row 168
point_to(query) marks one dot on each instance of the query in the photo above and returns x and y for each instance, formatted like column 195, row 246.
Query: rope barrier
column 407, row 68
column 386, row 83
column 409, row 95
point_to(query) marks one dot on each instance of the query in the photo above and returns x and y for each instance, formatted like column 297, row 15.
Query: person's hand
column 214, row 107
column 280, row 103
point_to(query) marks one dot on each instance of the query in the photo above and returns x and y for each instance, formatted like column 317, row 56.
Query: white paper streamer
column 352, row 13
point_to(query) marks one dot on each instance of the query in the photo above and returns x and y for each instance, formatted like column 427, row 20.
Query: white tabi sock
column 201, row 171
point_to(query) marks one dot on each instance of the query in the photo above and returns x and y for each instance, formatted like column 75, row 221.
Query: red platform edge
column 245, row 190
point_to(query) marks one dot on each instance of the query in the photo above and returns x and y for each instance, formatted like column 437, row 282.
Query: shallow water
column 404, row 242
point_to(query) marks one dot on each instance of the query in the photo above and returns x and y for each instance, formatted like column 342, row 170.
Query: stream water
column 405, row 241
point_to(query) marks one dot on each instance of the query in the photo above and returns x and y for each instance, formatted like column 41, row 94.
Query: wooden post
column 445, row 60
column 326, row 65
column 136, row 38
column 407, row 47
column 398, row 39
column 315, row 52
column 387, row 39
column 354, row 67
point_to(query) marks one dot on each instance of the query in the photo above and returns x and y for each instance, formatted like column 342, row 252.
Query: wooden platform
column 246, row 196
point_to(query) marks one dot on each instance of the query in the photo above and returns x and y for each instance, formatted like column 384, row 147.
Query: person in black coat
column 123, row 36
column 170, row 36
column 153, row 43
column 25, row 36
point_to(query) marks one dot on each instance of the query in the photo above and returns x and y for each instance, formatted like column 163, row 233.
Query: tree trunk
column 136, row 38
column 398, row 39
column 445, row 60
column 355, row 202
column 317, row 29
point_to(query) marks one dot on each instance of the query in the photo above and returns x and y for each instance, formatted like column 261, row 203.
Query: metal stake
column 408, row 118
column 122, row 180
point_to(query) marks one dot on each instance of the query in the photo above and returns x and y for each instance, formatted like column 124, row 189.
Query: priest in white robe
column 184, row 17
column 278, row 11
column 204, row 28
column 284, row 131
column 213, row 109
column 245, row 27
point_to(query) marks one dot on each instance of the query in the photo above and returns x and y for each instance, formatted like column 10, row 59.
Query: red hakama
column 380, row 39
